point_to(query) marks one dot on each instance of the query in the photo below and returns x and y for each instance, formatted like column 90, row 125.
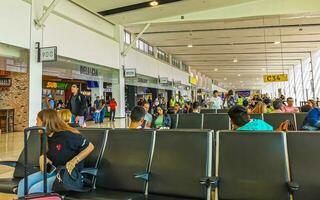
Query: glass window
column 127, row 37
column 163, row 56
column 184, row 67
column 175, row 62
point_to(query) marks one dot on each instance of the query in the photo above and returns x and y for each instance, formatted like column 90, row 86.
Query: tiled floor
column 11, row 145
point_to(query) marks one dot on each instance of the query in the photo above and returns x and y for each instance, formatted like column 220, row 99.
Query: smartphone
column 50, row 168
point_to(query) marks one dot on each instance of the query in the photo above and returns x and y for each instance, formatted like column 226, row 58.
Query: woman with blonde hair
column 260, row 108
column 66, row 115
column 66, row 147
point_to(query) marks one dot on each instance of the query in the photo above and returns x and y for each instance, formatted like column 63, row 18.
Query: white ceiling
column 216, row 43
column 153, row 13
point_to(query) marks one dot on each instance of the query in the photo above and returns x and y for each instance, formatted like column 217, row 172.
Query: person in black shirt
column 66, row 147
column 78, row 106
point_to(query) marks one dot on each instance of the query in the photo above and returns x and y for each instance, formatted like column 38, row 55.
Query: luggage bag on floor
column 44, row 195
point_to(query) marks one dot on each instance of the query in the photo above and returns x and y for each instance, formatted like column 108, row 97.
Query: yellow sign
column 193, row 80
column 275, row 78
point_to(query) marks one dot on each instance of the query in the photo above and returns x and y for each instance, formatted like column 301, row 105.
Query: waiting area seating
column 186, row 164
column 221, row 121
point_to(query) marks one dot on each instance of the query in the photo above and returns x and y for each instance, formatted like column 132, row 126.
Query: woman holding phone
column 66, row 147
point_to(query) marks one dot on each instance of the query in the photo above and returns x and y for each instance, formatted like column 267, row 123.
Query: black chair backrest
column 300, row 117
column 225, row 110
column 252, row 165
column 127, row 152
column 216, row 121
column 174, row 120
column 208, row 110
column 34, row 146
column 190, row 121
column 256, row 116
column 275, row 119
column 97, row 136
column 181, row 158
column 303, row 148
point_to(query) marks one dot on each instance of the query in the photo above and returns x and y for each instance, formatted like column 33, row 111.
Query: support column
column 35, row 68
column 312, row 77
column 302, row 79
column 118, row 89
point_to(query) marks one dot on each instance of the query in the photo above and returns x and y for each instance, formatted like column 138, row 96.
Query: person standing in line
column 113, row 106
column 102, row 106
column 172, row 102
column 77, row 106
column 51, row 102
column 215, row 100
column 229, row 100
column 96, row 106
column 240, row 100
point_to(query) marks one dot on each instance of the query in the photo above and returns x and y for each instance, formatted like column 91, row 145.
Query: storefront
column 14, row 88
column 93, row 80
column 144, row 87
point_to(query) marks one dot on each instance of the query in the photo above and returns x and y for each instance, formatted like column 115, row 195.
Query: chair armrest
column 210, row 181
column 142, row 175
column 9, row 163
column 90, row 171
column 293, row 186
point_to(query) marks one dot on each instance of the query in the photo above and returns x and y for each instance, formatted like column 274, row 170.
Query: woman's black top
column 64, row 146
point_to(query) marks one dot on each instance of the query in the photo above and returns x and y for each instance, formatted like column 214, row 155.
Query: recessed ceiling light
column 257, row 79
column 225, row 79
column 263, row 69
column 241, row 81
column 154, row 3
column 216, row 69
column 239, row 74
column 190, row 45
column 277, row 42
column 235, row 60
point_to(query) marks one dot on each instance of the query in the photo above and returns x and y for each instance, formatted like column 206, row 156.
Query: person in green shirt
column 240, row 100
column 172, row 102
column 241, row 120
column 161, row 119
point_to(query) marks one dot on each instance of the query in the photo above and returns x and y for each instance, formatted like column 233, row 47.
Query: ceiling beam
column 134, row 7
column 242, row 53
column 237, row 44
column 236, row 28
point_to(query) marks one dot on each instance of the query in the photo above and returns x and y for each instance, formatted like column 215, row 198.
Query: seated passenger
column 176, row 109
column 241, row 120
column 196, row 107
column 259, row 108
column 137, row 117
column 148, row 117
column 66, row 147
column 290, row 108
column 161, row 119
column 269, row 107
column 305, row 108
column 311, row 103
column 66, row 115
column 277, row 106
column 312, row 121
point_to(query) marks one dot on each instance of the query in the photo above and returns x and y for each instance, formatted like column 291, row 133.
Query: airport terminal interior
column 159, row 99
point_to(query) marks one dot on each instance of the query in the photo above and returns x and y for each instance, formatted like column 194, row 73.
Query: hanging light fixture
column 154, row 3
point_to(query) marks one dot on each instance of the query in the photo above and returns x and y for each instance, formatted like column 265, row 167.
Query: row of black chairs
column 189, row 164
column 221, row 121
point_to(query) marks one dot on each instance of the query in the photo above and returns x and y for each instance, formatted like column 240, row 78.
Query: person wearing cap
column 241, row 120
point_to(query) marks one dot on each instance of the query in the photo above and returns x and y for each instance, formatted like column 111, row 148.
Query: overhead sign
column 48, row 54
column 56, row 85
column 88, row 71
column 5, row 82
column 275, row 78
column 130, row 72
column 163, row 80
column 193, row 80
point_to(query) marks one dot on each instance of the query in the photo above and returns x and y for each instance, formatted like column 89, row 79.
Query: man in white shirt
column 216, row 101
